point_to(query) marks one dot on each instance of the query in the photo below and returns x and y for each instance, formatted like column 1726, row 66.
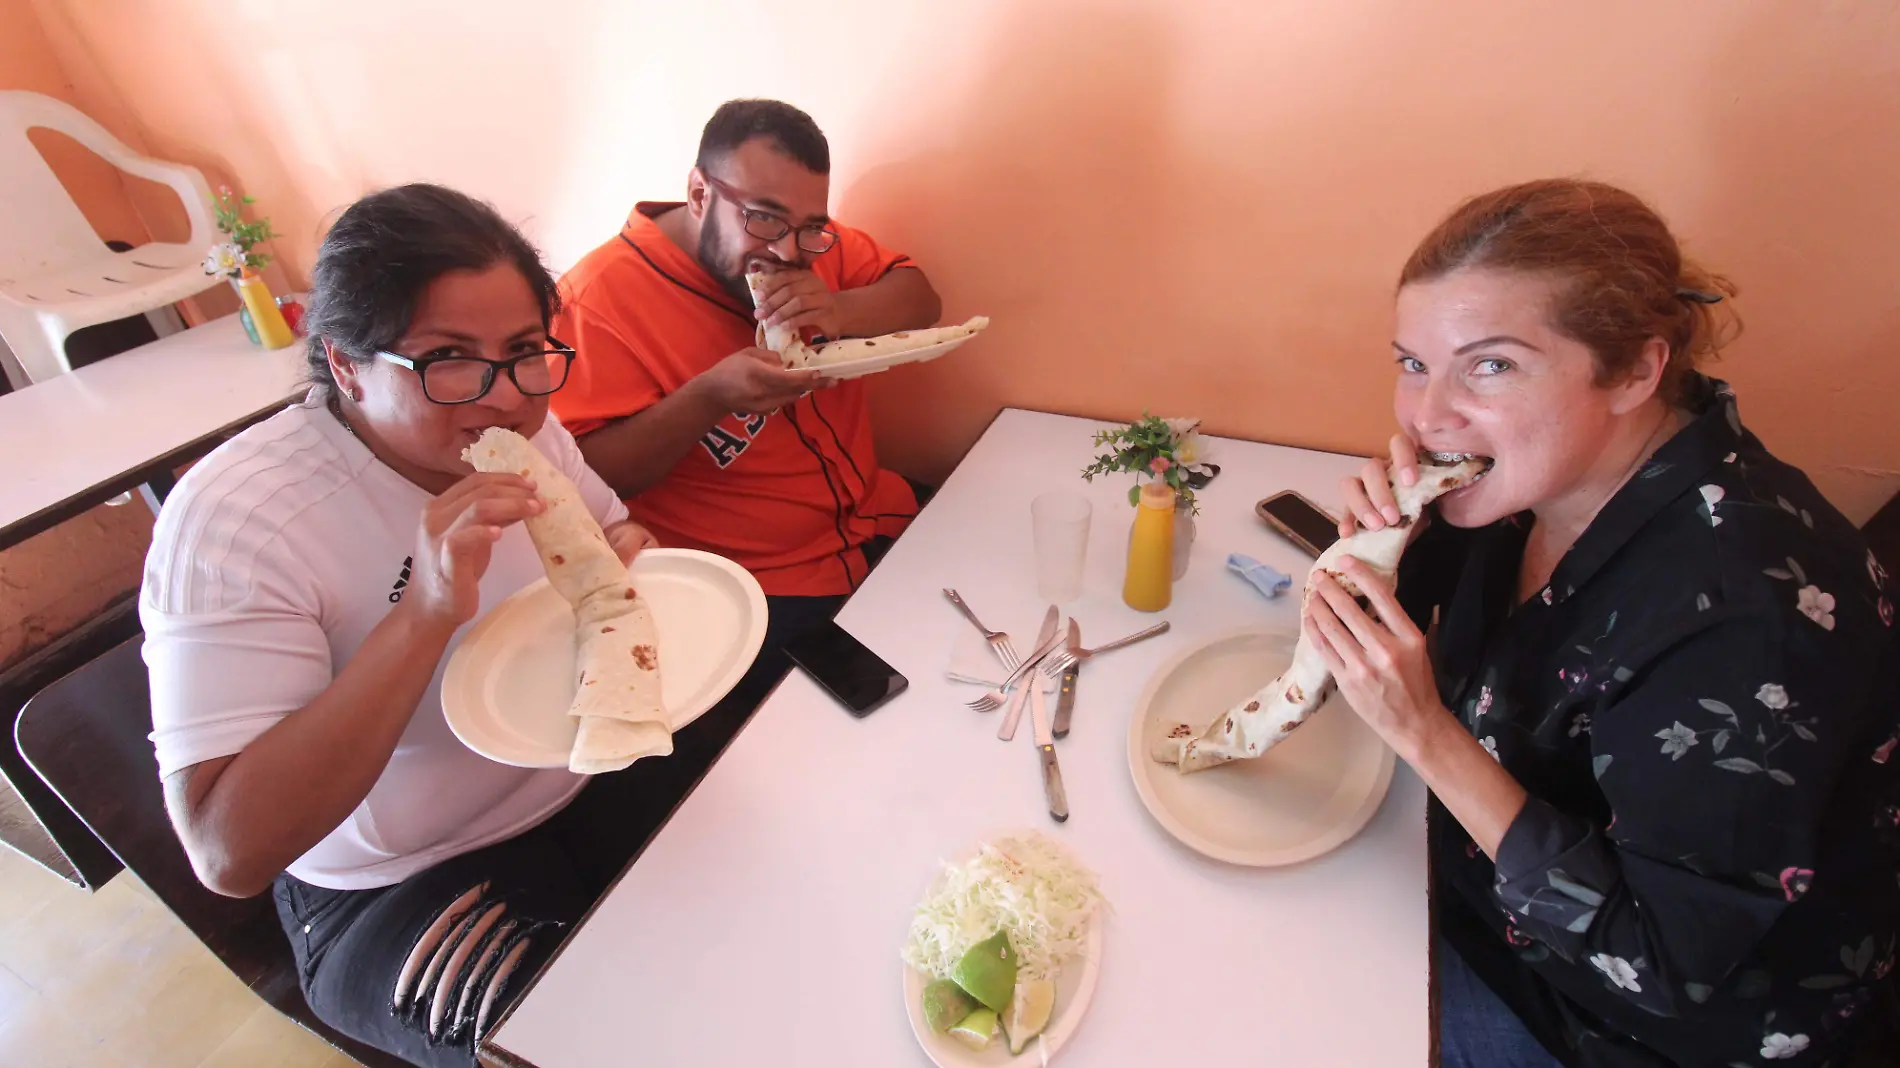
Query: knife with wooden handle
column 1065, row 702
column 1052, row 788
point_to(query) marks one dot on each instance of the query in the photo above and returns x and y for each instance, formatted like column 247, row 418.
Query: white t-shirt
column 272, row 560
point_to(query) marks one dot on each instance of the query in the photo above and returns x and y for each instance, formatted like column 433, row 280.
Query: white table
column 85, row 437
column 762, row 925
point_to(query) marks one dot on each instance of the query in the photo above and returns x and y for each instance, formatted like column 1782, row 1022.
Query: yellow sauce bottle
column 1149, row 586
column 272, row 331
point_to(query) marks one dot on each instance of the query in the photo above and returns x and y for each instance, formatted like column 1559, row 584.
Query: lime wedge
column 945, row 1004
column 988, row 971
column 1029, row 1012
column 976, row 1030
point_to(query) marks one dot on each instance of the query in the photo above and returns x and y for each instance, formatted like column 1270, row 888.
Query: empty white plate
column 1304, row 797
column 509, row 683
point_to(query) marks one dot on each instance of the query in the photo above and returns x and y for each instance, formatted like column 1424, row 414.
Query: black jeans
column 421, row 969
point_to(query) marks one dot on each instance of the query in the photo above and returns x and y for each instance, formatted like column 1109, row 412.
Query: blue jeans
column 1475, row 1029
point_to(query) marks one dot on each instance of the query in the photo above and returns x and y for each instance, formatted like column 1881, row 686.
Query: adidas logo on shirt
column 402, row 580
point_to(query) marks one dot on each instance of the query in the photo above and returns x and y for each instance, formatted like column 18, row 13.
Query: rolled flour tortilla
column 780, row 339
column 572, row 547
column 864, row 348
column 617, row 692
column 1265, row 719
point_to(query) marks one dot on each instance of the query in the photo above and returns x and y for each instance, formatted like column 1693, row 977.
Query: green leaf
column 1766, row 880
column 1786, row 505
column 1622, row 674
column 1697, row 992
column 1753, row 984
column 1799, row 575
column 1746, row 767
column 1134, row 494
column 1806, row 518
column 1701, row 602
column 1805, row 734
column 1719, row 709
column 1572, row 889
column 1582, row 922
column 1720, row 741
column 1601, row 764
column 1781, row 776
column 1864, row 959
column 1825, row 982
column 1777, row 573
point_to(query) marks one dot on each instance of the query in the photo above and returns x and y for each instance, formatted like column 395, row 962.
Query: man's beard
column 731, row 277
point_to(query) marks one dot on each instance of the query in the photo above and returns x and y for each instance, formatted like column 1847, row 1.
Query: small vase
column 267, row 321
column 1183, row 541
column 244, row 315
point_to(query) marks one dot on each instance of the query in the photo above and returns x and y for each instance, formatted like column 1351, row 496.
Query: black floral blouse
column 1704, row 705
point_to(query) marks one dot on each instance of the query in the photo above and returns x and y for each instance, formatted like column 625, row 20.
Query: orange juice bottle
column 1149, row 586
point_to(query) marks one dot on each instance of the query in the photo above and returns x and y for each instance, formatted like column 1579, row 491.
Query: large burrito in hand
column 796, row 355
column 617, row 678
column 1262, row 721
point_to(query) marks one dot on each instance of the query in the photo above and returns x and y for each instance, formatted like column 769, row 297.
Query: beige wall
column 1197, row 208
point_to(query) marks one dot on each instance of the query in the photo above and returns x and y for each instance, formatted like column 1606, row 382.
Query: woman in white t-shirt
column 305, row 586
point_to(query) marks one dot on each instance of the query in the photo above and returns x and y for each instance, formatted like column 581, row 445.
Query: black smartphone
column 856, row 676
column 1299, row 521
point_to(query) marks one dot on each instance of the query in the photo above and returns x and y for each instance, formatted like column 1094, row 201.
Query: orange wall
column 1197, row 208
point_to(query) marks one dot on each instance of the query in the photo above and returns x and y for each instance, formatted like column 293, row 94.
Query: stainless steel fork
column 1060, row 662
column 999, row 641
column 994, row 699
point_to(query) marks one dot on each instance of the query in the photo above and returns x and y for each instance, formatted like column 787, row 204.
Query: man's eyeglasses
column 465, row 379
column 770, row 226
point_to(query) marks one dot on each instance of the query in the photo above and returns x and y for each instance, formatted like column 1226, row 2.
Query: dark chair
column 86, row 736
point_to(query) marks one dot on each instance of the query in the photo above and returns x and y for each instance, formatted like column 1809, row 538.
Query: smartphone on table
column 858, row 678
column 1299, row 521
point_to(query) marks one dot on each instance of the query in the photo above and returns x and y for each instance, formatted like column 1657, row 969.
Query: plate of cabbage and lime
column 1003, row 954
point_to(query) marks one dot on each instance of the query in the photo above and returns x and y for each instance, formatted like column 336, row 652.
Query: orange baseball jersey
column 789, row 496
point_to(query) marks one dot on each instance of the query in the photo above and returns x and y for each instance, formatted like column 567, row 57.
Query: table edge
column 59, row 512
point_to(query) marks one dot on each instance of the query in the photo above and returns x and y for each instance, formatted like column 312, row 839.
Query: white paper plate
column 1307, row 796
column 873, row 364
column 1075, row 988
column 509, row 683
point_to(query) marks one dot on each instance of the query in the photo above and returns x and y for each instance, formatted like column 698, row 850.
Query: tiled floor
column 113, row 980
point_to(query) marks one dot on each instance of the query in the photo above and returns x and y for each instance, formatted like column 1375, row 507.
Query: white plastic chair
column 56, row 276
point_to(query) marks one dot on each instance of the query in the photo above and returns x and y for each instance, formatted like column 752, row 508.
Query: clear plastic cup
column 1060, row 521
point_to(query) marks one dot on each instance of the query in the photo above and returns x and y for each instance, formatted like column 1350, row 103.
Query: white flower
column 1581, row 724
column 1780, row 1047
column 1190, row 450
column 1817, row 606
column 1712, row 496
column 1181, row 428
column 227, row 258
column 1618, row 970
column 1676, row 740
column 1773, row 696
column 1491, row 746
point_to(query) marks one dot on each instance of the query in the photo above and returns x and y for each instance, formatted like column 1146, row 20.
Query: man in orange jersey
column 711, row 442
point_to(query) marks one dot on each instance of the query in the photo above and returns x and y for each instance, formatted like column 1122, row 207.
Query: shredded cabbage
column 1024, row 884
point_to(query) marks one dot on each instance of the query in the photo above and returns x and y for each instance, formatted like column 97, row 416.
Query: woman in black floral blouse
column 1660, row 711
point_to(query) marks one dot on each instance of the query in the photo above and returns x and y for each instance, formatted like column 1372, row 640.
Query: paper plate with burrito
column 859, row 356
column 596, row 666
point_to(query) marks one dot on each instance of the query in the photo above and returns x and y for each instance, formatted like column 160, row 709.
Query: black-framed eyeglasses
column 770, row 226
column 466, row 379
